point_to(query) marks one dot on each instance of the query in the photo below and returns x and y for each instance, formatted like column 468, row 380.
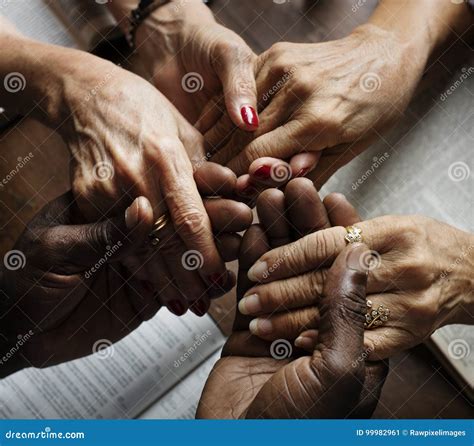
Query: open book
column 158, row 371
column 453, row 345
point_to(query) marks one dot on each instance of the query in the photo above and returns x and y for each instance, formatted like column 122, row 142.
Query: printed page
column 454, row 345
column 119, row 381
column 182, row 400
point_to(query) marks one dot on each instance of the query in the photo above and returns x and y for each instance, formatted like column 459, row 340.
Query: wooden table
column 417, row 387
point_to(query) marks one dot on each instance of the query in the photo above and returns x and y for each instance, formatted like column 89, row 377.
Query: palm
column 233, row 385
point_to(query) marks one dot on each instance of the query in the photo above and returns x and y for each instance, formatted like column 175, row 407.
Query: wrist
column 31, row 72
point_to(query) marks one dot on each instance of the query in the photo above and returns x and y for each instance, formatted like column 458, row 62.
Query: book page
column 182, row 400
column 119, row 381
column 455, row 345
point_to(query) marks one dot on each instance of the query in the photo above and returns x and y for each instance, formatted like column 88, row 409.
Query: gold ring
column 354, row 234
column 159, row 224
column 375, row 318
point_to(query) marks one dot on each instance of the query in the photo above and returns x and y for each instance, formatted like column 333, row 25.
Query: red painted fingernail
column 176, row 307
column 199, row 307
column 249, row 116
column 302, row 172
column 263, row 172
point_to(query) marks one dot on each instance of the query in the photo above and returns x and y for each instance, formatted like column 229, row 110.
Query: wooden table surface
column 417, row 386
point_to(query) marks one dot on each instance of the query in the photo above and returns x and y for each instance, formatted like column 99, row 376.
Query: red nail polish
column 249, row 116
column 176, row 307
column 199, row 307
column 263, row 172
column 302, row 172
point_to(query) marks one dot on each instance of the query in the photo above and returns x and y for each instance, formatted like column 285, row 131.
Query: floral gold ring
column 354, row 234
column 375, row 317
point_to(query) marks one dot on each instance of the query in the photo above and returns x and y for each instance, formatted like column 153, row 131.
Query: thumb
column 83, row 245
column 236, row 71
column 343, row 308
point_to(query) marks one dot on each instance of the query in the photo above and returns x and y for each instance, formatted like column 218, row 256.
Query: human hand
column 71, row 283
column 256, row 379
column 199, row 65
column 64, row 285
column 321, row 105
column 420, row 269
column 126, row 140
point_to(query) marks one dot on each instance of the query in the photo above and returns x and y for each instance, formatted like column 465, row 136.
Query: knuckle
column 191, row 222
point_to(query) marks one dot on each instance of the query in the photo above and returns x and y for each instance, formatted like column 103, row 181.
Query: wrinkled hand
column 67, row 282
column 420, row 269
column 201, row 66
column 127, row 140
column 256, row 379
column 322, row 104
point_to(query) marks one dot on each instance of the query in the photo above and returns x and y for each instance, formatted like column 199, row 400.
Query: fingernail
column 131, row 215
column 199, row 307
column 358, row 258
column 258, row 271
column 263, row 172
column 304, row 343
column 302, row 172
column 250, row 304
column 261, row 326
column 249, row 116
column 176, row 307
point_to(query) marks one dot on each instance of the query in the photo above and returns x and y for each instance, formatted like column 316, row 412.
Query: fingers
column 343, row 308
column 228, row 245
column 254, row 243
column 113, row 238
column 214, row 180
column 228, row 215
column 318, row 249
column 285, row 325
column 305, row 210
column 188, row 214
column 304, row 163
column 284, row 295
column 235, row 68
column 340, row 211
column 271, row 213
column 282, row 143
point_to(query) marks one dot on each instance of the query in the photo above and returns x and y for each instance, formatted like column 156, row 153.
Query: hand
column 126, row 140
column 197, row 64
column 67, row 281
column 257, row 380
column 420, row 269
column 324, row 103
